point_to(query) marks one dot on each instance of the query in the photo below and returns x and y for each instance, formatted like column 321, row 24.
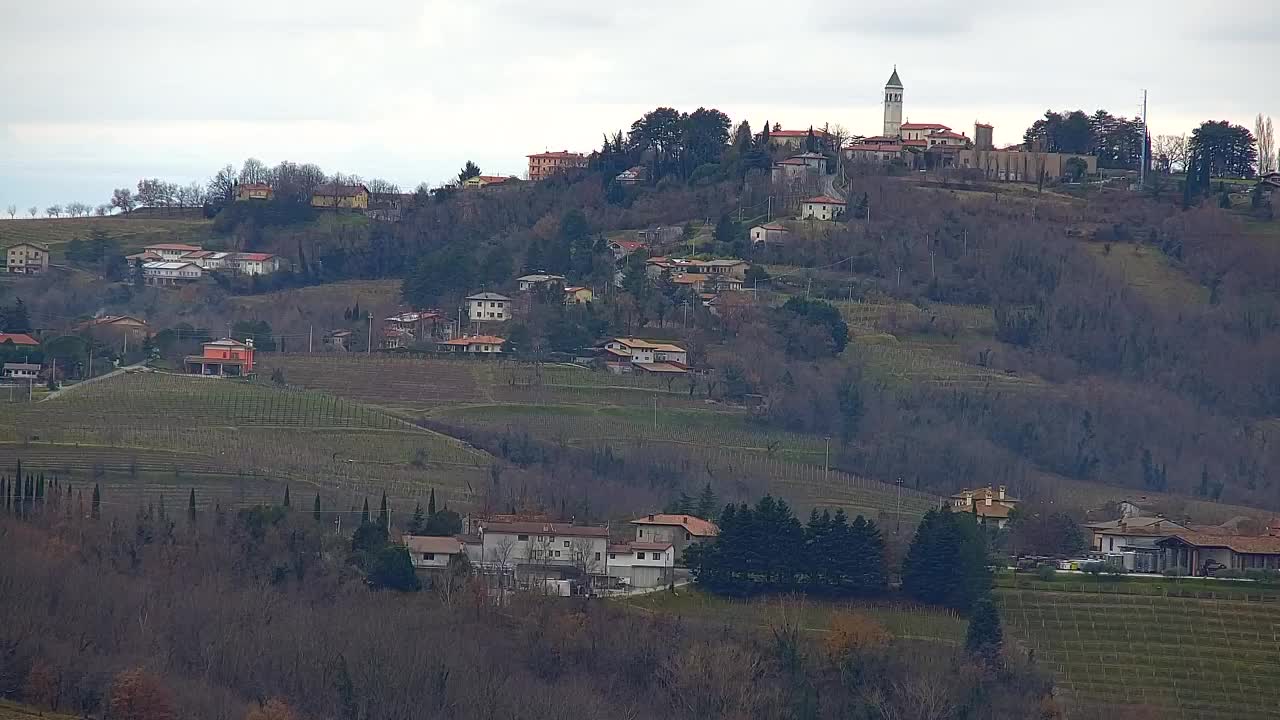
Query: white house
column 21, row 371
column 164, row 272
column 642, row 564
column 432, row 553
column 1136, row 539
column 679, row 530
column 488, row 307
column 643, row 352
column 27, row 258
column 822, row 207
column 255, row 263
column 769, row 233
column 536, row 280
column 542, row 549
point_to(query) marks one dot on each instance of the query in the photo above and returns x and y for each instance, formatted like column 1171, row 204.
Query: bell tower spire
column 893, row 105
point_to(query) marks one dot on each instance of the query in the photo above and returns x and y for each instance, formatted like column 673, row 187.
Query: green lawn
column 1150, row 274
column 131, row 232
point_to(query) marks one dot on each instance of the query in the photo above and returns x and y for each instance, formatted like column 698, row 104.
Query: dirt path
column 72, row 388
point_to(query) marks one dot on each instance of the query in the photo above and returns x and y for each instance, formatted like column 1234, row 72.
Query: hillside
column 132, row 232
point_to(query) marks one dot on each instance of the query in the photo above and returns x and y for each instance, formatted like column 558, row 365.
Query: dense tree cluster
column 1117, row 141
column 764, row 548
column 947, row 561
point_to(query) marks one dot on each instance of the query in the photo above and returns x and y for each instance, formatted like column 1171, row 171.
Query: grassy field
column 1150, row 274
column 1192, row 659
column 906, row 622
column 370, row 294
column 220, row 428
column 14, row 711
column 131, row 232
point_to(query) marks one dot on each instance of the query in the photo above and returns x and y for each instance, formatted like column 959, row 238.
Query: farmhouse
column 642, row 564
column 1196, row 553
column 412, row 326
column 116, row 325
column 488, row 307
column 481, row 344
column 822, row 207
column 623, row 248
column 167, row 272
column 769, row 233
column 679, row 530
column 544, row 549
column 577, row 295
column 18, row 372
column 991, row 506
column 483, row 181
column 627, row 354
column 255, row 263
column 254, row 191
column 27, row 258
column 336, row 196
column 432, row 553
column 223, row 358
column 339, row 340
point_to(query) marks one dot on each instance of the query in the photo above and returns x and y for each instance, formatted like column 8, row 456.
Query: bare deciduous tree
column 1169, row 153
column 1265, row 136
column 53, row 211
column 254, row 171
column 102, row 210
column 122, row 199
column 13, row 210
column 33, row 211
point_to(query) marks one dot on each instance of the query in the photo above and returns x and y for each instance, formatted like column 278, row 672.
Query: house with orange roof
column 921, row 131
column 483, row 181
column 797, row 139
column 474, row 344
column 254, row 191
column 991, row 506
column 1200, row 553
column 19, row 339
column 223, row 358
column 578, row 295
column 822, row 207
column 678, row 529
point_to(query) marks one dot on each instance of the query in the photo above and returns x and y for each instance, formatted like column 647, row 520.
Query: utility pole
column 655, row 414
column 897, row 513
column 310, row 332
column 368, row 341
column 826, row 461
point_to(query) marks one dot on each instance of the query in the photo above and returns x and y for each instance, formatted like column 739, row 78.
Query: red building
column 223, row 358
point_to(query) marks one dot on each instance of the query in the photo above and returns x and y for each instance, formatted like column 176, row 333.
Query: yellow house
column 351, row 197
column 576, row 294
column 254, row 191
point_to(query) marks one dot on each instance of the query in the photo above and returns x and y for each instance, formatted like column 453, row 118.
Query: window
column 428, row 556
column 566, row 543
column 597, row 556
column 612, row 556
column 640, row 533
column 522, row 537
column 557, row 553
column 639, row 556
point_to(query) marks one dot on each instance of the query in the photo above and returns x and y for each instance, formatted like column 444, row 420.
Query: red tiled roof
column 949, row 134
column 875, row 148
column 254, row 257
column 17, row 339
column 825, row 199
column 695, row 526
column 1254, row 545
column 173, row 246
column 560, row 154
column 476, row 340
column 641, row 546
column 924, row 126
column 493, row 179
column 916, row 143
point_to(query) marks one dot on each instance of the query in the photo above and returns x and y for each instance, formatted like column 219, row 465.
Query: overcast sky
column 95, row 94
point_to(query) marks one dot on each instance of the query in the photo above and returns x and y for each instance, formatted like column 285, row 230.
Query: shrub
column 1113, row 570
column 852, row 632
column 1046, row 572
column 1229, row 574
column 1172, row 572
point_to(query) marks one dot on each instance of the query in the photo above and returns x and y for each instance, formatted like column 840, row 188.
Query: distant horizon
column 408, row 98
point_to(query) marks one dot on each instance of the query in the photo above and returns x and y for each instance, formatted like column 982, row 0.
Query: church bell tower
column 893, row 106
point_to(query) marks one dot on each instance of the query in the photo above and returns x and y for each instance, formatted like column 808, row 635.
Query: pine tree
column 947, row 561
column 97, row 501
column 707, row 502
column 315, row 510
column 418, row 522
column 364, row 514
column 191, row 506
column 985, row 636
column 431, row 504
column 286, row 496
column 384, row 513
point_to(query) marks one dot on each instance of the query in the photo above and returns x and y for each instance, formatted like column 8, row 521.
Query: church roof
column 893, row 79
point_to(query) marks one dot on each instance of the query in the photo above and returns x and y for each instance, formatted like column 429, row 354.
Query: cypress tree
column 97, row 501
column 384, row 514
column 431, row 504
column 191, row 506
column 364, row 514
column 707, row 501
column 286, row 496
column 315, row 510
column 985, row 636
column 4, row 493
column 418, row 522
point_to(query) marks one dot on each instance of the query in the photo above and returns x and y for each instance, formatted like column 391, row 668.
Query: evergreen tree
column 947, row 561
column 315, row 510
column 364, row 514
column 191, row 506
column 985, row 636
column 384, row 514
column 707, row 502
column 97, row 501
column 285, row 503
column 393, row 570
column 419, row 520
column 4, row 493
column 431, row 503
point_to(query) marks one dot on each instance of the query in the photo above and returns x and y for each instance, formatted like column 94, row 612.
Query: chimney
column 651, row 516
column 1002, row 491
column 988, row 499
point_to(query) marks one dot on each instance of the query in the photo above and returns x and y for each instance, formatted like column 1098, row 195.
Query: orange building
column 223, row 358
column 544, row 165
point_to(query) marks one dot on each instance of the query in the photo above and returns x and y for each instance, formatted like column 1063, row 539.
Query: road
column 82, row 383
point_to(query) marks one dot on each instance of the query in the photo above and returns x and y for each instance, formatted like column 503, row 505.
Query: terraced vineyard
column 1185, row 658
column 238, row 429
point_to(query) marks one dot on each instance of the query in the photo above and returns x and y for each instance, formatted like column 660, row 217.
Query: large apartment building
column 544, row 165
